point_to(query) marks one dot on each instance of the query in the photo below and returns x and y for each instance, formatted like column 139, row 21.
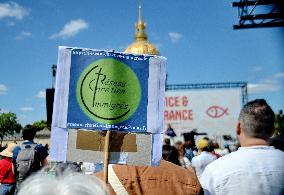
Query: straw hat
column 8, row 152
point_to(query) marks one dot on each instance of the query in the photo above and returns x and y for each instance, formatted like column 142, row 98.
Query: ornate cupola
column 141, row 45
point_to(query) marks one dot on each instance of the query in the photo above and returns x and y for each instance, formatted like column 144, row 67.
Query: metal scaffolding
column 242, row 85
column 259, row 13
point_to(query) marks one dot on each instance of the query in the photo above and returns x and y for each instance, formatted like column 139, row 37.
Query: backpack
column 25, row 161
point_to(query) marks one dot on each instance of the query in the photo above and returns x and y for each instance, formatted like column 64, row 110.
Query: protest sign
column 102, row 90
column 125, row 148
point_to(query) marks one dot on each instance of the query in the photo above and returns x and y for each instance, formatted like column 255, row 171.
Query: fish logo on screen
column 217, row 111
column 108, row 91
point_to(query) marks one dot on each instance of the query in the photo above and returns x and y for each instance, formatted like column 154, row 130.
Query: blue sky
column 196, row 37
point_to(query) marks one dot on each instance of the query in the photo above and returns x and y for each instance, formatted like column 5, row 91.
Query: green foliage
column 279, row 125
column 39, row 125
column 9, row 124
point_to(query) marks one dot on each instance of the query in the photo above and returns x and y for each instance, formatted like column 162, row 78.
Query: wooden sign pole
column 106, row 155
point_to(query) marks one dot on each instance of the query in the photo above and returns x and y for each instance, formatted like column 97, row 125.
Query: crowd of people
column 199, row 155
column 255, row 167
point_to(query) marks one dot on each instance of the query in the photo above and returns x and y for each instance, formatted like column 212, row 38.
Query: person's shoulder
column 166, row 176
column 277, row 151
column 208, row 155
column 171, row 168
column 41, row 151
column 3, row 163
column 224, row 162
column 199, row 156
column 16, row 149
column 195, row 159
column 39, row 145
column 165, row 170
column 276, row 155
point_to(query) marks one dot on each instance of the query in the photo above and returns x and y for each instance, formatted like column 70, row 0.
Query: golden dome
column 141, row 45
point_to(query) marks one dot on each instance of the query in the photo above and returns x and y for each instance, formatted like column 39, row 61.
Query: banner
column 212, row 111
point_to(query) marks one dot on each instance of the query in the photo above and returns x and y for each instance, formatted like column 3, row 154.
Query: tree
column 8, row 125
column 279, row 124
column 39, row 125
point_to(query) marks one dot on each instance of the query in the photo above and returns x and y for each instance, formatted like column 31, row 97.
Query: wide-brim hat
column 8, row 152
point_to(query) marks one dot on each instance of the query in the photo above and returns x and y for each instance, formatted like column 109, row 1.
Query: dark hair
column 211, row 146
column 277, row 142
column 28, row 132
column 167, row 141
column 170, row 153
column 188, row 144
column 180, row 148
column 257, row 119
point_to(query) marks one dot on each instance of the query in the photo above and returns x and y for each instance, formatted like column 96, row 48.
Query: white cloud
column 263, row 87
column 3, row 89
column 175, row 36
column 41, row 94
column 12, row 10
column 257, row 69
column 71, row 29
column 26, row 109
column 279, row 75
column 269, row 84
column 23, row 35
column 4, row 110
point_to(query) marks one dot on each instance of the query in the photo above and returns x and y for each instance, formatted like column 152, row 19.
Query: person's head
column 188, row 144
column 167, row 141
column 180, row 148
column 63, row 167
column 211, row 146
column 256, row 120
column 69, row 183
column 46, row 146
column 202, row 145
column 216, row 145
column 28, row 132
column 8, row 152
column 170, row 153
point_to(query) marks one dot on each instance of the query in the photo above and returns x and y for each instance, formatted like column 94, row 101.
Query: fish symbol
column 216, row 111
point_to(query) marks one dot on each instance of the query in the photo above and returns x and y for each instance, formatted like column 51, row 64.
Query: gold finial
column 140, row 26
column 140, row 13
column 141, row 44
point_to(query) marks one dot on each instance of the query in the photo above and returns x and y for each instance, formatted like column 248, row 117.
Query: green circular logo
column 108, row 91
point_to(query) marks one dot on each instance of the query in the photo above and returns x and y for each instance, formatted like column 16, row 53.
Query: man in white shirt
column 204, row 158
column 256, row 168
